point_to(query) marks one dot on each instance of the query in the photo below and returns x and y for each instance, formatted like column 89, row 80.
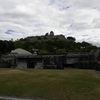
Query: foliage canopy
column 45, row 45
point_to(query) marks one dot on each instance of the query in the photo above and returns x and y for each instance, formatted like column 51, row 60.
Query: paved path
column 13, row 98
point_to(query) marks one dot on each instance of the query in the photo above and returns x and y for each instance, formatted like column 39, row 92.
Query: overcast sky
column 77, row 18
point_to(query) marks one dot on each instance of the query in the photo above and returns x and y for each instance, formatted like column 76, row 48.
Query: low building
column 20, row 58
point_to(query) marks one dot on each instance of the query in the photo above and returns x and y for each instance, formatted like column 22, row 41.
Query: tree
column 61, row 51
column 85, row 44
column 71, row 39
column 11, row 46
column 46, row 34
column 39, row 38
column 19, row 44
column 43, row 52
column 3, row 47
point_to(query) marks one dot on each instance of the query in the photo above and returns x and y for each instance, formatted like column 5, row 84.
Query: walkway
column 14, row 98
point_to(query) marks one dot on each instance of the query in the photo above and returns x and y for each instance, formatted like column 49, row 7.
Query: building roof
column 20, row 51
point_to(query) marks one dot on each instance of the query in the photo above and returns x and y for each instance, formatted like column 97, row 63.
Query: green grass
column 50, row 84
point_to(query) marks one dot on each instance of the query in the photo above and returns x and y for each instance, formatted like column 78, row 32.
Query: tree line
column 54, row 46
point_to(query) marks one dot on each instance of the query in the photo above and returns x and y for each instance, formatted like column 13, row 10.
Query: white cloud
column 79, row 18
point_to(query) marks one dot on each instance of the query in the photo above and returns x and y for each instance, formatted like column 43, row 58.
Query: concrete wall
column 39, row 65
column 21, row 64
column 29, row 63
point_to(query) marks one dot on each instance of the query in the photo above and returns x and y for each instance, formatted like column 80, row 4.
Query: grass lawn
column 51, row 84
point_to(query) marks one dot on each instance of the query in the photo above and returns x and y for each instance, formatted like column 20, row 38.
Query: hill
column 45, row 38
column 47, row 44
column 53, row 44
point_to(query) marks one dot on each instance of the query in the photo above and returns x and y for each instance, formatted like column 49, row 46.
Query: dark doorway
column 69, row 65
column 30, row 65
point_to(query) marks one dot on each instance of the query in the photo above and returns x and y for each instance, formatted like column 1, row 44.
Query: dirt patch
column 14, row 71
